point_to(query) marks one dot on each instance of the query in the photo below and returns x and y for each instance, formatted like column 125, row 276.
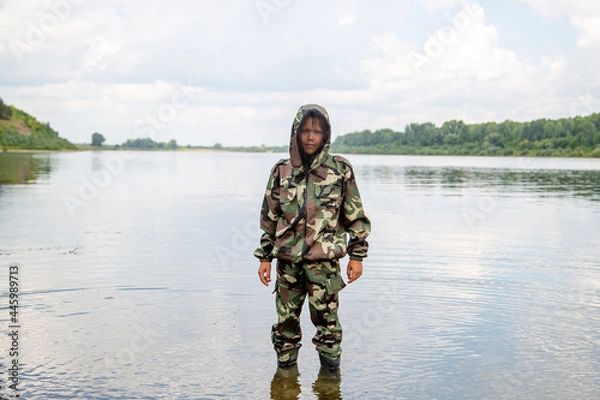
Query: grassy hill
column 19, row 130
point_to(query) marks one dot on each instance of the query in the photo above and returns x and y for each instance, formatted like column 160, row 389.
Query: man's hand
column 354, row 270
column 264, row 272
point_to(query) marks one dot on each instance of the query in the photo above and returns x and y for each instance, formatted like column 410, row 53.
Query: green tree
column 5, row 111
column 451, row 138
column 586, row 131
column 496, row 139
column 97, row 139
column 573, row 137
column 141, row 143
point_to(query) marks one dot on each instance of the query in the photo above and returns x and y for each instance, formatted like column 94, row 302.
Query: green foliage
column 10, row 138
column 5, row 111
column 40, row 136
column 38, row 129
column 97, row 139
column 149, row 144
column 17, row 168
column 567, row 137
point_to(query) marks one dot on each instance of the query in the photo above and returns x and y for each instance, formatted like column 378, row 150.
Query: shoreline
column 34, row 151
column 252, row 150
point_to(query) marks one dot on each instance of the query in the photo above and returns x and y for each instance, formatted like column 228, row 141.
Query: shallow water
column 136, row 279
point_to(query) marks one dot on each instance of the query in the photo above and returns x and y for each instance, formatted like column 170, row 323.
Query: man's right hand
column 264, row 272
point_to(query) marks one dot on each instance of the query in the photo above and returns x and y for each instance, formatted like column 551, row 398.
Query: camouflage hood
column 295, row 155
column 316, row 214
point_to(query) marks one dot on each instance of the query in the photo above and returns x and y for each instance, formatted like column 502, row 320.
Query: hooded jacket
column 312, row 212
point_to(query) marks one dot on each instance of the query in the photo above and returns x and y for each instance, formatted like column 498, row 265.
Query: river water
column 136, row 280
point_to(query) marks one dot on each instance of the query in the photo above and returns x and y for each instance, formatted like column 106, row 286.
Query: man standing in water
column 312, row 215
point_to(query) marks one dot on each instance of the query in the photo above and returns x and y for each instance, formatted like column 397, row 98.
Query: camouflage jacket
column 315, row 214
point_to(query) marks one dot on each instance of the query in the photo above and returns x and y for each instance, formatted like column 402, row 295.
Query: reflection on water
column 286, row 384
column 327, row 385
column 482, row 280
column 16, row 168
column 542, row 182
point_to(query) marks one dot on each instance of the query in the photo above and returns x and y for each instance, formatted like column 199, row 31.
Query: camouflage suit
column 311, row 217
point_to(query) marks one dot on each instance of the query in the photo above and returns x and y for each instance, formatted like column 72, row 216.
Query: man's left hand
column 355, row 269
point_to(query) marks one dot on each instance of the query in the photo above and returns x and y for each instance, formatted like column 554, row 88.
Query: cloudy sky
column 235, row 71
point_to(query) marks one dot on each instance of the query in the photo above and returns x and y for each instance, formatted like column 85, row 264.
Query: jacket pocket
column 335, row 284
column 288, row 213
column 329, row 197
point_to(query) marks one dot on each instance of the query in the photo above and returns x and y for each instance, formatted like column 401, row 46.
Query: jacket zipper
column 305, row 211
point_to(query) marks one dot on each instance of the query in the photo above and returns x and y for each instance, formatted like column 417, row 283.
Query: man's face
column 310, row 136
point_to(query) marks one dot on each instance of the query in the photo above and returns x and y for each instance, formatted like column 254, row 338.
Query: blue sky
column 235, row 72
column 529, row 35
column 520, row 28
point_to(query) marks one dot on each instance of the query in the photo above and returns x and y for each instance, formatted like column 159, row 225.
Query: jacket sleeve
column 269, row 214
column 354, row 219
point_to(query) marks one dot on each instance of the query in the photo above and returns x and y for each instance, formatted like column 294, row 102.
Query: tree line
column 139, row 143
column 566, row 137
column 147, row 143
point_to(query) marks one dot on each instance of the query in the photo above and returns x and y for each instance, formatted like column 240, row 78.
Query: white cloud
column 463, row 73
column 347, row 19
column 434, row 5
column 104, row 66
column 589, row 29
column 561, row 8
column 99, row 48
column 583, row 14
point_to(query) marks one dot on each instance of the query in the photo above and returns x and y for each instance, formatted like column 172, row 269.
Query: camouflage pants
column 321, row 281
